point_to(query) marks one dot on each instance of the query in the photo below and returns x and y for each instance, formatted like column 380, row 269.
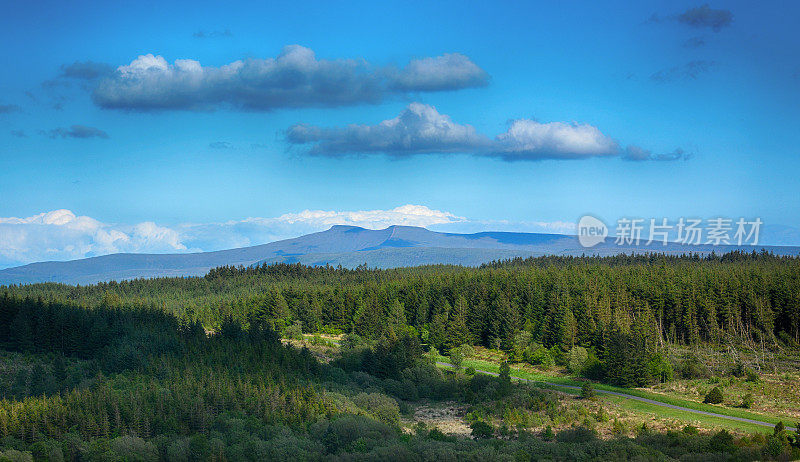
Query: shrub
column 580, row 435
column 587, row 391
column 660, row 368
column 577, row 359
column 295, row 331
column 456, row 358
column 738, row 370
column 383, row 407
column 467, row 350
column 747, row 401
column 437, row 435
column 16, row 456
column 722, row 441
column 594, row 369
column 693, row 369
column 470, row 370
column 714, row 396
column 481, row 429
column 752, row 376
column 539, row 357
column 690, row 430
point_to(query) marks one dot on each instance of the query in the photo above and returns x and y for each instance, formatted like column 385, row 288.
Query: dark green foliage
column 564, row 301
column 193, row 368
column 714, row 396
column 505, row 379
column 587, row 391
column 481, row 429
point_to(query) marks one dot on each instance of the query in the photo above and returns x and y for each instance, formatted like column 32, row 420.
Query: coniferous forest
column 196, row 369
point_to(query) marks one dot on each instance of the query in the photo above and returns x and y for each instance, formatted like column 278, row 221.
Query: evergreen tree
column 457, row 331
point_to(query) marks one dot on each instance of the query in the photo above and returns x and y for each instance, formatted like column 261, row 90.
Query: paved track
column 637, row 398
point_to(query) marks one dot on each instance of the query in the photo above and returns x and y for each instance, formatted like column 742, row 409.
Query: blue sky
column 507, row 115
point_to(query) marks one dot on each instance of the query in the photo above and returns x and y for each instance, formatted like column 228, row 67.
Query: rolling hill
column 348, row 246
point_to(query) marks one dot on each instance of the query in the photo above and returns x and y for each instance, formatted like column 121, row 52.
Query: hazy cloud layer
column 76, row 131
column 706, row 17
column 688, row 71
column 421, row 129
column 295, row 78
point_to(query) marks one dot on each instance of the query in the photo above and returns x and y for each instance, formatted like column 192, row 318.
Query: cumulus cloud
column 9, row 108
column 688, row 71
column 447, row 72
column 86, row 70
column 706, row 17
column 62, row 235
column 418, row 129
column 531, row 140
column 76, row 131
column 421, row 129
column 295, row 78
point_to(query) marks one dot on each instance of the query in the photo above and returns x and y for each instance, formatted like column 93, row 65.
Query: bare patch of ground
column 447, row 416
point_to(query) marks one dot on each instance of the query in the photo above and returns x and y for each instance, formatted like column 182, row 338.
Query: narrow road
column 637, row 398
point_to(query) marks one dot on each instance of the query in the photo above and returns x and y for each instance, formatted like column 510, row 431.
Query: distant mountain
column 348, row 246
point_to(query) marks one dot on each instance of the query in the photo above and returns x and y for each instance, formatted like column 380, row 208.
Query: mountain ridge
column 348, row 245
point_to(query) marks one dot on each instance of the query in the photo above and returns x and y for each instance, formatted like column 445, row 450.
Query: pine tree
column 396, row 315
column 438, row 330
column 457, row 331
column 569, row 330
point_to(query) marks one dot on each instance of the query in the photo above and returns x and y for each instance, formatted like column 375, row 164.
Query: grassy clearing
column 773, row 394
column 638, row 406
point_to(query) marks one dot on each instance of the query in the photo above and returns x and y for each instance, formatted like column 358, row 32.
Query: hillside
column 349, row 246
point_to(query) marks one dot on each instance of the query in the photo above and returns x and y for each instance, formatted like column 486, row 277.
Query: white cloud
column 62, row 235
column 420, row 128
column 450, row 71
column 532, row 140
column 295, row 78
